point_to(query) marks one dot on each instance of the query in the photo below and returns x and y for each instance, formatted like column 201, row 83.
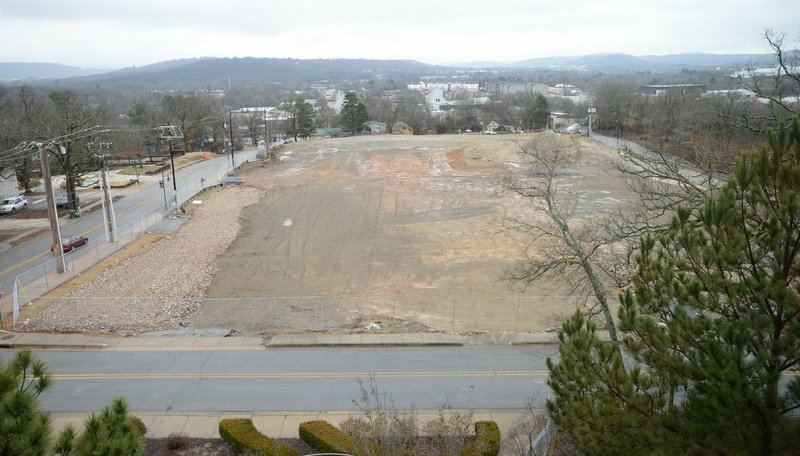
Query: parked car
column 13, row 204
column 71, row 243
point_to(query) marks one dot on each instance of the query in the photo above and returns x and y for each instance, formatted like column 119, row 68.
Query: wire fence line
column 541, row 444
column 38, row 281
column 319, row 313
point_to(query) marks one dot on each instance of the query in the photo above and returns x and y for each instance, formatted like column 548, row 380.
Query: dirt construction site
column 401, row 233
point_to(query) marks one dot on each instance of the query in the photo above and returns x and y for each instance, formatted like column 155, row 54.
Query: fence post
column 46, row 282
column 454, row 314
column 324, row 320
column 15, row 304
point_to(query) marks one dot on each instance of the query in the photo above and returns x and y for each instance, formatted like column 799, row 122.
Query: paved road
column 478, row 377
column 148, row 199
column 685, row 168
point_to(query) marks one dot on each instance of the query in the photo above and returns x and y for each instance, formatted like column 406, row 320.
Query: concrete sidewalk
column 11, row 340
column 272, row 424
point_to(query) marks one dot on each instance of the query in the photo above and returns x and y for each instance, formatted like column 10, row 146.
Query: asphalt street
column 296, row 379
column 149, row 199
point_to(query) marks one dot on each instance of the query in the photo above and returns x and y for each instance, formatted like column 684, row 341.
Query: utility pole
column 136, row 166
column 266, row 135
column 224, row 144
column 55, row 230
column 164, row 190
column 105, row 188
column 230, row 125
column 108, row 209
column 172, row 163
column 170, row 132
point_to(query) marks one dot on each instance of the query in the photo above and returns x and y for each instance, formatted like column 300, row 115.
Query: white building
column 423, row 86
column 434, row 101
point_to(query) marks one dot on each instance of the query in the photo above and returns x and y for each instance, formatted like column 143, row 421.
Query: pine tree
column 301, row 122
column 354, row 113
column 712, row 324
column 111, row 433
column 24, row 429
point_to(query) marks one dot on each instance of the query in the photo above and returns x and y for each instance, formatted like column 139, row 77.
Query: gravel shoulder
column 160, row 286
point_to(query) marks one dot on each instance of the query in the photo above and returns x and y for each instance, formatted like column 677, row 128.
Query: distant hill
column 627, row 62
column 213, row 73
column 698, row 59
column 20, row 71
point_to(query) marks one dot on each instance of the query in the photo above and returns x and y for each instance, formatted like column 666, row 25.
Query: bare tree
column 23, row 117
column 255, row 125
column 73, row 120
column 584, row 254
column 619, row 108
column 778, row 87
column 192, row 113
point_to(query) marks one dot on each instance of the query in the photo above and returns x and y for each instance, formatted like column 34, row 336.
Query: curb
column 364, row 344
column 45, row 346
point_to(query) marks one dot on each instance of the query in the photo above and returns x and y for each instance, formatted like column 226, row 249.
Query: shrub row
column 487, row 440
column 241, row 435
column 325, row 437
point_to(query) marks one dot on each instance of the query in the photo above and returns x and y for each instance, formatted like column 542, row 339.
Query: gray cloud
column 114, row 33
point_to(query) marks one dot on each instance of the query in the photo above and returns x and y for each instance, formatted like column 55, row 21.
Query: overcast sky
column 115, row 34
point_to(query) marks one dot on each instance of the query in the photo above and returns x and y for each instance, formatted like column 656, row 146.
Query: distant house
column 658, row 89
column 559, row 120
column 564, row 90
column 374, row 127
column 434, row 101
column 333, row 132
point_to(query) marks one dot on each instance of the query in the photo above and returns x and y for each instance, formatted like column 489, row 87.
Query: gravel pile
column 158, row 287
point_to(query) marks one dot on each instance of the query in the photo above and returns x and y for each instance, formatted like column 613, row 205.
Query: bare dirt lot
column 405, row 230
column 384, row 226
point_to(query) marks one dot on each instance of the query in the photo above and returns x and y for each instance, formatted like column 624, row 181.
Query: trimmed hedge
column 326, row 438
column 241, row 435
column 487, row 440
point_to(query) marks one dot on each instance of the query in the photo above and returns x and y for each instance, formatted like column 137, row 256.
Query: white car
column 13, row 204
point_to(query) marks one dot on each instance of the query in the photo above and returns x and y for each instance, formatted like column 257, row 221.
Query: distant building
column 658, row 89
column 446, row 86
column 374, row 127
column 434, row 101
column 564, row 90
column 559, row 120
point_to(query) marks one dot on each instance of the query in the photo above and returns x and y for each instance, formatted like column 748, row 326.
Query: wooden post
column 58, row 247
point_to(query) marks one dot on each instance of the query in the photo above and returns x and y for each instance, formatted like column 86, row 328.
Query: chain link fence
column 319, row 313
column 278, row 315
column 39, row 281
